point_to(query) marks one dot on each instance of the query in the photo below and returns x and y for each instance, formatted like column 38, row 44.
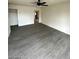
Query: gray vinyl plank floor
column 38, row 42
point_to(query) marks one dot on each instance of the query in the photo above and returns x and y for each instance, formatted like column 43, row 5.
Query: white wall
column 8, row 26
column 25, row 14
column 57, row 16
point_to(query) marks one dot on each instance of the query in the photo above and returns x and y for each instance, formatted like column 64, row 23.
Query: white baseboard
column 56, row 28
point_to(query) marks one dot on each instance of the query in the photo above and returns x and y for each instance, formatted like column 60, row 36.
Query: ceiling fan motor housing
column 38, row 3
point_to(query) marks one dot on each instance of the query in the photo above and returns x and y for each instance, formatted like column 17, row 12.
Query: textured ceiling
column 30, row 2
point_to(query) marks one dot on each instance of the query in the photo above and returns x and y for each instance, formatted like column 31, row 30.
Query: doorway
column 36, row 19
column 13, row 18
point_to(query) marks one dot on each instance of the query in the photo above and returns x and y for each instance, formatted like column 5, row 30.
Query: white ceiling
column 30, row 2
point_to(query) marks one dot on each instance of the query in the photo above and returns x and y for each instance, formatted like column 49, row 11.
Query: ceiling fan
column 39, row 3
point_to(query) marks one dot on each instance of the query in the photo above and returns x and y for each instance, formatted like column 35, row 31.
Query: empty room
column 38, row 29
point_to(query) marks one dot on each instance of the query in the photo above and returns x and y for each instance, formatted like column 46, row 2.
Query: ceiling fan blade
column 44, row 5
